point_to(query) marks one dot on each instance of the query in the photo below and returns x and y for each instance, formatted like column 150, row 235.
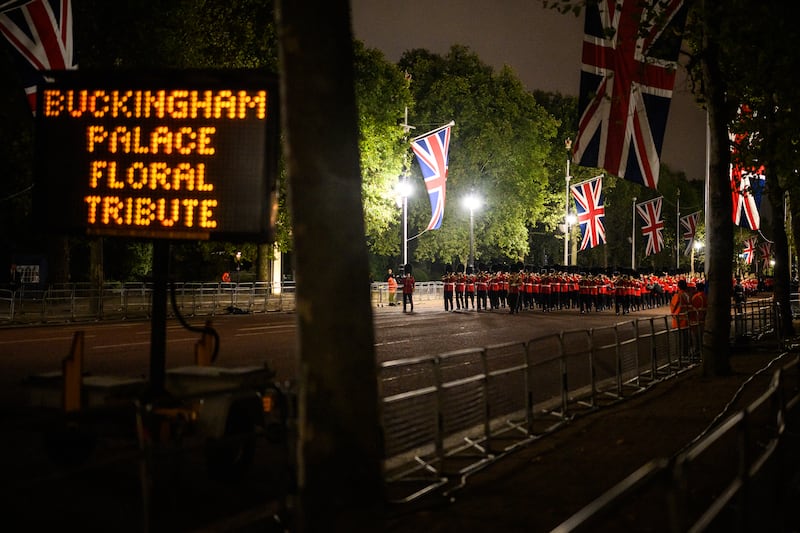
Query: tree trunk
column 780, row 251
column 794, row 209
column 58, row 259
column 340, row 447
column 719, row 223
column 96, row 275
column 264, row 262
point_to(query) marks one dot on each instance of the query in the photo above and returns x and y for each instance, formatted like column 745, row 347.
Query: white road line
column 123, row 345
column 389, row 343
column 261, row 328
column 45, row 339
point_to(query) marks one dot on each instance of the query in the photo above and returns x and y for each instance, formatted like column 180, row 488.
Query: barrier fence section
column 423, row 291
column 447, row 416
column 740, row 476
column 444, row 417
column 71, row 302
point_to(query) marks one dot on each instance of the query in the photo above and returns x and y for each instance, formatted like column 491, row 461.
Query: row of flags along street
column 626, row 84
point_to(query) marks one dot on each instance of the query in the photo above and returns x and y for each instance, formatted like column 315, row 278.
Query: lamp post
column 404, row 189
column 696, row 246
column 472, row 202
column 633, row 236
column 568, row 145
column 238, row 265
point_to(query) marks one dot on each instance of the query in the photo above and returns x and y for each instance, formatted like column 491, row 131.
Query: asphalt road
column 123, row 348
column 106, row 494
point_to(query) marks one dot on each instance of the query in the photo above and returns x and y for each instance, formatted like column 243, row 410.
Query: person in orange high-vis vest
column 391, row 285
column 680, row 305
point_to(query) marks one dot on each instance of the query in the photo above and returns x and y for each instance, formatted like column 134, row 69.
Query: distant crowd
column 554, row 290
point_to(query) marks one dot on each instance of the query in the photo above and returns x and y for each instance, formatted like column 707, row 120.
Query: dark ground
column 538, row 487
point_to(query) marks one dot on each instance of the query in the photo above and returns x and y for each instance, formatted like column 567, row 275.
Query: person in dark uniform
column 482, row 288
column 449, row 287
column 408, row 288
column 461, row 288
column 469, row 295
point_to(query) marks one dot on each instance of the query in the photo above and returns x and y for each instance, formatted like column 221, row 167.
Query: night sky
column 542, row 46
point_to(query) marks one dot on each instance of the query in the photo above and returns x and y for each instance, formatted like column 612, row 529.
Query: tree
column 499, row 148
column 339, row 447
column 382, row 94
column 725, row 51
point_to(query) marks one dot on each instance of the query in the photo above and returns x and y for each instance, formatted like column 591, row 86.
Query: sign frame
column 158, row 154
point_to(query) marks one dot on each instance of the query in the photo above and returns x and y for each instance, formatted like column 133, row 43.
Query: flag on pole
column 41, row 33
column 689, row 225
column 765, row 251
column 588, row 197
column 746, row 188
column 629, row 61
column 749, row 250
column 747, row 181
column 431, row 150
column 653, row 228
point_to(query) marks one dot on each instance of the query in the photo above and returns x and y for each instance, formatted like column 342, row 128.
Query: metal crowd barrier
column 752, row 319
column 423, row 291
column 448, row 416
column 735, row 478
column 71, row 302
column 132, row 300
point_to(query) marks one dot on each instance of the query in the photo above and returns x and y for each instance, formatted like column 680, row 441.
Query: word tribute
column 176, row 155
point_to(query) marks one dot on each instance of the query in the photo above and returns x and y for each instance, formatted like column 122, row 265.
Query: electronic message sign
column 158, row 154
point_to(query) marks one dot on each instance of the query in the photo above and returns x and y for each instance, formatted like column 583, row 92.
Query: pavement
column 538, row 487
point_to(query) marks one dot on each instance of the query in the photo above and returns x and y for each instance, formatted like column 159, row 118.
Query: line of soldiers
column 554, row 290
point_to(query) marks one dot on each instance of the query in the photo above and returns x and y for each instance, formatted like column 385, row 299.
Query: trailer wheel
column 229, row 457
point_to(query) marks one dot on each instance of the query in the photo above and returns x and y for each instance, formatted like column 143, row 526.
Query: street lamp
column 472, row 202
column 567, row 177
column 238, row 265
column 696, row 246
column 404, row 190
column 633, row 235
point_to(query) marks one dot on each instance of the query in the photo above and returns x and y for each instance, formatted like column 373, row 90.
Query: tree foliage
column 382, row 96
column 499, row 150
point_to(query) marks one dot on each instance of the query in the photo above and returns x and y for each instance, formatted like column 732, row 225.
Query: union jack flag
column 689, row 224
column 629, row 61
column 431, row 150
column 746, row 188
column 747, row 181
column 749, row 250
column 653, row 227
column 41, row 32
column 591, row 212
column 765, row 251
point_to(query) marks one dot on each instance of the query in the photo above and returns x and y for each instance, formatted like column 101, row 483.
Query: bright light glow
column 472, row 202
column 404, row 188
column 571, row 219
column 697, row 245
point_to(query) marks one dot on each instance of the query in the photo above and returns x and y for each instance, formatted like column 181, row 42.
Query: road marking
column 44, row 339
column 261, row 328
column 389, row 343
column 123, row 345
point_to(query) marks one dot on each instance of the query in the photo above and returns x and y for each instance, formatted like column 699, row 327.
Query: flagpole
column 633, row 237
column 404, row 192
column 678, row 234
column 706, row 210
column 568, row 144
column 440, row 128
